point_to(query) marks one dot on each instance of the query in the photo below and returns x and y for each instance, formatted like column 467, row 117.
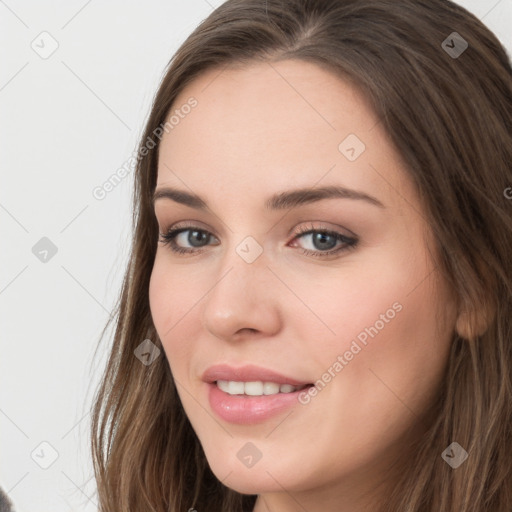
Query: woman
column 316, row 313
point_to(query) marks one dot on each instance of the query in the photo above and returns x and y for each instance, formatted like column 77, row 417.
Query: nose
column 243, row 300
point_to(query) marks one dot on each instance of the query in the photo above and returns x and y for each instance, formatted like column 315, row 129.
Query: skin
column 262, row 129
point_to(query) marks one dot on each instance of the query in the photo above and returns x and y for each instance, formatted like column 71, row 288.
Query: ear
column 473, row 323
column 474, row 319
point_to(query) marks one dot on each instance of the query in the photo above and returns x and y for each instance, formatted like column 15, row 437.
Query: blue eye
column 324, row 242
column 196, row 238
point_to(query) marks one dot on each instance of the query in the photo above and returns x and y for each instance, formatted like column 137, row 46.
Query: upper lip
column 247, row 373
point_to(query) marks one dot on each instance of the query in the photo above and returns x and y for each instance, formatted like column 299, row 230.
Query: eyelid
column 186, row 224
column 322, row 227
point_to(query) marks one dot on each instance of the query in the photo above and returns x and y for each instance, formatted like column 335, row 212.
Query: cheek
column 388, row 351
column 172, row 298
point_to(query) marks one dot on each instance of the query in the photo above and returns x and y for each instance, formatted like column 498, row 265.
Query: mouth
column 250, row 394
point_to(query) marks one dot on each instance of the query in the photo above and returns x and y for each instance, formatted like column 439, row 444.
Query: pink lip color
column 243, row 409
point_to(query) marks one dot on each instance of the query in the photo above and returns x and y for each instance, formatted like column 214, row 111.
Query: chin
column 247, row 482
column 260, row 478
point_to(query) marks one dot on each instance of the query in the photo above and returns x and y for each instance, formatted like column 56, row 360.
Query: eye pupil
column 319, row 239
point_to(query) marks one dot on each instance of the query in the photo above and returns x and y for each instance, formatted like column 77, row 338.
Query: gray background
column 69, row 121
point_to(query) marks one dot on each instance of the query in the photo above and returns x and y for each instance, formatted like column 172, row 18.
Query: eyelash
column 169, row 240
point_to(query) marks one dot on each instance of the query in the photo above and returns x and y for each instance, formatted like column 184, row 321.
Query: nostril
column 247, row 329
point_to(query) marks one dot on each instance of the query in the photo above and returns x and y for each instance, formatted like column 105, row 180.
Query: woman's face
column 279, row 288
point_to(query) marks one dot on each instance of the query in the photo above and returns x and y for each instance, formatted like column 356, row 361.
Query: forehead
column 266, row 126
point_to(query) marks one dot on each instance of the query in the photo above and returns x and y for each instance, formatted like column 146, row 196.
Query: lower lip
column 244, row 409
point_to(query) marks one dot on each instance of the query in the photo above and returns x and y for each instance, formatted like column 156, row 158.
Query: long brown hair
column 450, row 116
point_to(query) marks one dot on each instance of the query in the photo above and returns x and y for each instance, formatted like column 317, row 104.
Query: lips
column 243, row 409
column 248, row 373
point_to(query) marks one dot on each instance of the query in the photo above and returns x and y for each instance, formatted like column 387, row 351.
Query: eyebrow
column 279, row 201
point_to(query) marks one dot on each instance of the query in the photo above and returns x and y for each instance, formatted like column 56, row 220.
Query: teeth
column 235, row 388
column 254, row 388
column 270, row 388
